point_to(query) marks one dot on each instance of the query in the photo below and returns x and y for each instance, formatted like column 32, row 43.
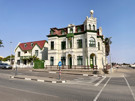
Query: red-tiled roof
column 59, row 31
column 29, row 46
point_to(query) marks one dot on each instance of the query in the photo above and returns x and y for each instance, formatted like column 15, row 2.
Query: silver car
column 5, row 66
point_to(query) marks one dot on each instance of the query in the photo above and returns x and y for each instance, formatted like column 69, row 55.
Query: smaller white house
column 24, row 51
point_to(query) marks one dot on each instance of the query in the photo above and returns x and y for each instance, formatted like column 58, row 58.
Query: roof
column 59, row 31
column 30, row 47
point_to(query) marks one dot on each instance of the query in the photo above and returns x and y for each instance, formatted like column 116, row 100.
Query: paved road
column 79, row 88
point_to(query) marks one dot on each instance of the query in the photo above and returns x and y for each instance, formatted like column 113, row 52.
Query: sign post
column 60, row 64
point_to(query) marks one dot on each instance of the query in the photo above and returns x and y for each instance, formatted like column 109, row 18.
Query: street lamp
column 11, row 53
column 109, row 39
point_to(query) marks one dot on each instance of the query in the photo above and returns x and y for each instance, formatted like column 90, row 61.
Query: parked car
column 5, row 66
column 133, row 66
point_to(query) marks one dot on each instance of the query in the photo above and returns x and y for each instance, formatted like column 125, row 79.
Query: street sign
column 60, row 63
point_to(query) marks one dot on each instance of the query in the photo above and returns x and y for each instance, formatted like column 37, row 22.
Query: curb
column 38, row 80
column 52, row 72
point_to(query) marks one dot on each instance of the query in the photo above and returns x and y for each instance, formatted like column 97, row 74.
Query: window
column 78, row 29
column 51, row 32
column 98, row 45
column 25, row 52
column 89, row 27
column 79, row 60
column 19, row 54
column 62, row 32
column 71, row 30
column 51, row 61
column 18, row 62
column 92, row 42
column 63, row 45
column 52, row 45
column 63, row 60
column 79, row 43
column 25, row 45
column 31, row 44
column 93, row 27
column 36, row 52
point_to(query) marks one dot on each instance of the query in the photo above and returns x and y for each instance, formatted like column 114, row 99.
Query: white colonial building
column 77, row 45
column 26, row 50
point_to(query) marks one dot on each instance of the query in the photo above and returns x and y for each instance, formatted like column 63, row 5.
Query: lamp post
column 11, row 54
column 110, row 52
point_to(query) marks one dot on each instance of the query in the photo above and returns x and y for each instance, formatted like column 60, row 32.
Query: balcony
column 25, row 57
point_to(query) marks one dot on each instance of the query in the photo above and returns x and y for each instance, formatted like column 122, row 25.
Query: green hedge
column 38, row 64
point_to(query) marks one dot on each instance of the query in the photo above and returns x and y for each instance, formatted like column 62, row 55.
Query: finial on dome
column 91, row 13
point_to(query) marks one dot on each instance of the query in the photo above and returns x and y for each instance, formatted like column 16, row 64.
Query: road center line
column 101, row 90
column 99, row 81
column 129, row 88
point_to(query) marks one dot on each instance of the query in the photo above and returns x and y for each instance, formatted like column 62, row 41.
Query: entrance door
column 92, row 60
column 70, row 61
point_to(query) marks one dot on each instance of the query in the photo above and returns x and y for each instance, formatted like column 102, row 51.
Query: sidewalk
column 73, row 72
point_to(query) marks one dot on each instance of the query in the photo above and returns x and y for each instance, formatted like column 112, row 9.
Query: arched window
column 89, row 27
column 98, row 45
column 63, row 32
column 32, row 44
column 78, row 29
column 51, row 32
column 92, row 42
column 71, row 30
column 25, row 45
column 93, row 27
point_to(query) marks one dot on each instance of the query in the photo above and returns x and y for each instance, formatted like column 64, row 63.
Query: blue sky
column 31, row 20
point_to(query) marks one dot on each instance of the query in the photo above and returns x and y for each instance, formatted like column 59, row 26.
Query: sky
column 31, row 20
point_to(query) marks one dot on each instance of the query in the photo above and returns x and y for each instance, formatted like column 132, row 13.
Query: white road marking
column 101, row 90
column 53, row 81
column 40, row 80
column 27, row 78
column 85, row 74
column 129, row 88
column 99, row 81
column 52, row 72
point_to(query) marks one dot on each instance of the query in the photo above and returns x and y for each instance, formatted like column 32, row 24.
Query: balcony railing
column 25, row 57
column 70, row 67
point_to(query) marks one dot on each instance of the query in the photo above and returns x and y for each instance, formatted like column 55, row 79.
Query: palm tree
column 107, row 45
column 1, row 43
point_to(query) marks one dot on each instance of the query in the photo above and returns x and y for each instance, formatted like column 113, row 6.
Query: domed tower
column 91, row 22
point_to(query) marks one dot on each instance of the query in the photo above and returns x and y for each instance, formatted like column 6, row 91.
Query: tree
column 1, row 58
column 1, row 44
column 8, row 58
column 107, row 45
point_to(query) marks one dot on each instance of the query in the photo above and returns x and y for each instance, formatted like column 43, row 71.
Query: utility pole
column 110, row 54
column 11, row 54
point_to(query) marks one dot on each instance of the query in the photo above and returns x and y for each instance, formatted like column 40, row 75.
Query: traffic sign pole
column 60, row 64
column 59, row 73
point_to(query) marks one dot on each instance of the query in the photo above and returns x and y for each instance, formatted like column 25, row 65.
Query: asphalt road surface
column 79, row 88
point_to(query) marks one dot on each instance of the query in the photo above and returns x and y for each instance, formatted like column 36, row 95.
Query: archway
column 93, row 60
